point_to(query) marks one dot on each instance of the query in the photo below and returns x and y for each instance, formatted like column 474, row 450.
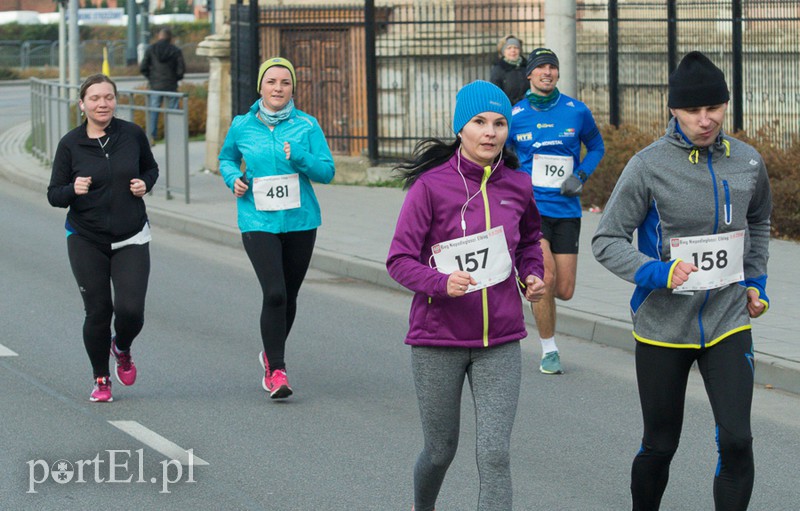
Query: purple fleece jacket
column 431, row 214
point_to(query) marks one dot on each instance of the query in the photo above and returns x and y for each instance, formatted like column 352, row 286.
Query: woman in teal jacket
column 284, row 149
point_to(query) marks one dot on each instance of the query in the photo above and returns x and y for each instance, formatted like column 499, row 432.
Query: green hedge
column 182, row 32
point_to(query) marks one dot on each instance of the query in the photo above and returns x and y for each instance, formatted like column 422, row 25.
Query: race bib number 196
column 549, row 171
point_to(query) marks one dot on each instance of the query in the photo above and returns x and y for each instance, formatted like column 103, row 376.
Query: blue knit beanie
column 477, row 97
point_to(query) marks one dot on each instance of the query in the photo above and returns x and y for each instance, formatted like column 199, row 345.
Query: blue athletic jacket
column 251, row 141
column 558, row 131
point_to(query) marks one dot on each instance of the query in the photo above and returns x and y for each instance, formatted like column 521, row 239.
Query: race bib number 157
column 483, row 255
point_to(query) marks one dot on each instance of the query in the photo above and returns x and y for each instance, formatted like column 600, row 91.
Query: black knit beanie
column 539, row 57
column 697, row 82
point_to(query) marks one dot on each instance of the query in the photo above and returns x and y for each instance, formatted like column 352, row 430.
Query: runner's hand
column 81, row 185
column 138, row 188
column 572, row 186
column 239, row 187
column 458, row 282
column 681, row 273
column 754, row 306
column 534, row 288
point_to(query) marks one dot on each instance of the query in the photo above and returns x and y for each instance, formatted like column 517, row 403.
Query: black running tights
column 96, row 268
column 662, row 374
column 280, row 262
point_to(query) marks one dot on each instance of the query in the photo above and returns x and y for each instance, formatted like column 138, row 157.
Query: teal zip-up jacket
column 673, row 189
column 251, row 141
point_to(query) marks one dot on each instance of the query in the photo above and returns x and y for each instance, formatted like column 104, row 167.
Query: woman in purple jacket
column 466, row 242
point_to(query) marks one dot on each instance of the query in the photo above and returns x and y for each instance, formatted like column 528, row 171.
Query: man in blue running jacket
column 547, row 130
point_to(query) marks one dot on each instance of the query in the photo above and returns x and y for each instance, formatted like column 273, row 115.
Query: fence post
column 613, row 63
column 672, row 35
column 738, row 95
column 372, row 81
column 672, row 40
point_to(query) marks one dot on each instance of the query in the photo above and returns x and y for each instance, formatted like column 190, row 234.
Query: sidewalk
column 358, row 223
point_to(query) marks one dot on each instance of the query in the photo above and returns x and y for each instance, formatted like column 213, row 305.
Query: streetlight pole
column 74, row 43
column 130, row 48
column 144, row 36
column 62, row 45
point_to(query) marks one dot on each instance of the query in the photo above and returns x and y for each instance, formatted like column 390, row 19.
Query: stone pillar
column 559, row 35
column 217, row 48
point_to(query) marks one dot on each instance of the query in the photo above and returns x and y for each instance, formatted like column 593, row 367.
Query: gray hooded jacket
column 674, row 189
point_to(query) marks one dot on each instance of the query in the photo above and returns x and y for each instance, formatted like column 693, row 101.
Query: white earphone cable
column 466, row 189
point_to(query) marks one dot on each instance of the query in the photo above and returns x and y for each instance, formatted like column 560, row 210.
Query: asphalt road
column 15, row 105
column 350, row 435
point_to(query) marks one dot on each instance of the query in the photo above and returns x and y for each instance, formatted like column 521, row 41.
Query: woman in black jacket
column 508, row 72
column 101, row 171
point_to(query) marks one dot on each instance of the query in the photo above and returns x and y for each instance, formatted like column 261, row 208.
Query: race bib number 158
column 718, row 257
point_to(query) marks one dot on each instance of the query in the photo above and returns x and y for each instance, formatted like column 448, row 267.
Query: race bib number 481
column 718, row 257
column 276, row 193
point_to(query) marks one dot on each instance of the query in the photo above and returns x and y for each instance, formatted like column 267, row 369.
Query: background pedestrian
column 163, row 66
column 508, row 71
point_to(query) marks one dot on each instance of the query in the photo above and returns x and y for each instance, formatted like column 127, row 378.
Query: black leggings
column 280, row 262
column 662, row 374
column 96, row 267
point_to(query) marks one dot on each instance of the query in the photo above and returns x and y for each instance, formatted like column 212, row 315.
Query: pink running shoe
column 275, row 382
column 124, row 368
column 101, row 393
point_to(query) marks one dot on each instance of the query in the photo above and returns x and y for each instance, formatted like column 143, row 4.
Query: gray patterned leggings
column 494, row 378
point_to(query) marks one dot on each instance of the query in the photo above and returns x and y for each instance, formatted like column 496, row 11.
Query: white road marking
column 5, row 352
column 159, row 443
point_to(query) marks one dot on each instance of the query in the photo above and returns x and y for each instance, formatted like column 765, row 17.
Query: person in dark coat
column 508, row 72
column 163, row 66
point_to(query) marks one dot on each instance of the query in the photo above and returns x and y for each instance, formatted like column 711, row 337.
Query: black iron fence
column 755, row 42
column 424, row 53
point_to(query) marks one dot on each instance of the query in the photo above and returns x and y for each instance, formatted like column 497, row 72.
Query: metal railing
column 54, row 111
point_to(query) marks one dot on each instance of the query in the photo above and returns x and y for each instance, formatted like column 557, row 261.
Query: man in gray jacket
column 163, row 65
column 700, row 203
